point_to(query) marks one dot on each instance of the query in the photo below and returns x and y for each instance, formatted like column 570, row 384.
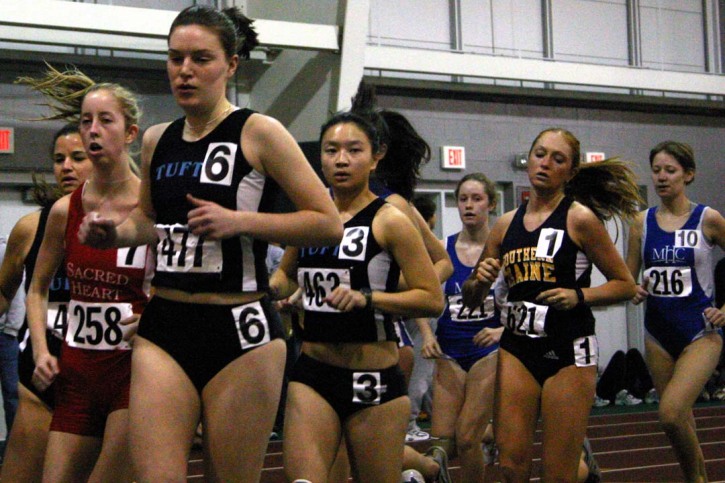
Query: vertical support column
column 456, row 28
column 634, row 38
column 354, row 37
column 711, row 29
column 547, row 29
column 634, row 33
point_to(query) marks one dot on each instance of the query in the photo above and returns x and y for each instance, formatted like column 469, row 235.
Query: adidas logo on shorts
column 551, row 355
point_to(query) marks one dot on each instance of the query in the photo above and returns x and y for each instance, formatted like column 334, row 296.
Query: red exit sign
column 7, row 141
column 453, row 157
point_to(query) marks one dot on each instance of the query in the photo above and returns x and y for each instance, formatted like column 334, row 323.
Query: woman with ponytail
column 209, row 347
column 547, row 363
column 88, row 439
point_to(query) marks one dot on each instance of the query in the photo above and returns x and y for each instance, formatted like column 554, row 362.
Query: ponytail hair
column 234, row 29
column 405, row 149
column 608, row 188
column 65, row 91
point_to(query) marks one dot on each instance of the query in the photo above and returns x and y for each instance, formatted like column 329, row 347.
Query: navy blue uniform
column 543, row 338
column 678, row 266
column 458, row 324
column 58, row 298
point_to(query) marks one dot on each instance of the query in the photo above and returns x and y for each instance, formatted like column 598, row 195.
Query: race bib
column 688, row 239
column 550, row 240
column 459, row 313
column 524, row 318
column 57, row 318
column 367, row 387
column 669, row 281
column 354, row 243
column 586, row 351
column 96, row 325
column 252, row 325
column 181, row 251
column 318, row 283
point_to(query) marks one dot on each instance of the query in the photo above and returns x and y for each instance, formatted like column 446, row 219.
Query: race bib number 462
column 318, row 283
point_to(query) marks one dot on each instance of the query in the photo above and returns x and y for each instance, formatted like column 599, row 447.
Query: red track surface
column 628, row 447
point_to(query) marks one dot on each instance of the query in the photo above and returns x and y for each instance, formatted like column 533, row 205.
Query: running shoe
column 625, row 398
column 490, row 453
column 600, row 402
column 439, row 456
column 411, row 476
column 651, row 397
column 595, row 474
column 415, row 433
column 719, row 394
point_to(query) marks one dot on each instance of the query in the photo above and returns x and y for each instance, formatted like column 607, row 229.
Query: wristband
column 368, row 294
column 580, row 296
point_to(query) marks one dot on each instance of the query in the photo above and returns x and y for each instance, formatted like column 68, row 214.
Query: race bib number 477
column 179, row 250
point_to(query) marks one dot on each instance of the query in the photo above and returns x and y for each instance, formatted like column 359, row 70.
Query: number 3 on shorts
column 252, row 325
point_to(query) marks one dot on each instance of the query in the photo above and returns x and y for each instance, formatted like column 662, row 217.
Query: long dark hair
column 405, row 149
column 234, row 29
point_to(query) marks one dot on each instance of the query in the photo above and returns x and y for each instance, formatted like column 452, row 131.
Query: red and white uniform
column 106, row 287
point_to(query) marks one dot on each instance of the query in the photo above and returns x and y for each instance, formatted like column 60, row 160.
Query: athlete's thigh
column 70, row 457
column 516, row 408
column 449, row 391
column 478, row 405
column 692, row 370
column 375, row 439
column 312, row 434
column 164, row 410
column 28, row 439
column 566, row 402
column 660, row 363
column 113, row 462
column 239, row 407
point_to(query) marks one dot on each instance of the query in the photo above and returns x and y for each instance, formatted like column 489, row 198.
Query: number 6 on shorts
column 252, row 325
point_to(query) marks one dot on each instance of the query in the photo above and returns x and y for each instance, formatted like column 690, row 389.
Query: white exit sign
column 592, row 157
column 453, row 157
column 7, row 141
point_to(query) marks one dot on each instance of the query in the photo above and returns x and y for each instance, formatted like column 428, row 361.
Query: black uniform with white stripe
column 544, row 338
column 212, row 168
column 357, row 262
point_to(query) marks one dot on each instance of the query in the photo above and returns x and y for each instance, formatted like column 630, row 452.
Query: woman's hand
column 97, row 231
column 131, row 327
column 346, row 299
column 488, row 336
column 211, row 220
column 430, row 348
column 487, row 270
column 46, row 370
column 642, row 293
column 715, row 316
column 559, row 298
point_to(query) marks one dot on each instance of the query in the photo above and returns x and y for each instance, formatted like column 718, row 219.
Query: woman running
column 347, row 383
column 209, row 347
column 28, row 437
column 674, row 244
column 547, row 362
column 88, row 438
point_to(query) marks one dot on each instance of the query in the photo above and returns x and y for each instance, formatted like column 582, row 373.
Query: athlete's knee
column 672, row 416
